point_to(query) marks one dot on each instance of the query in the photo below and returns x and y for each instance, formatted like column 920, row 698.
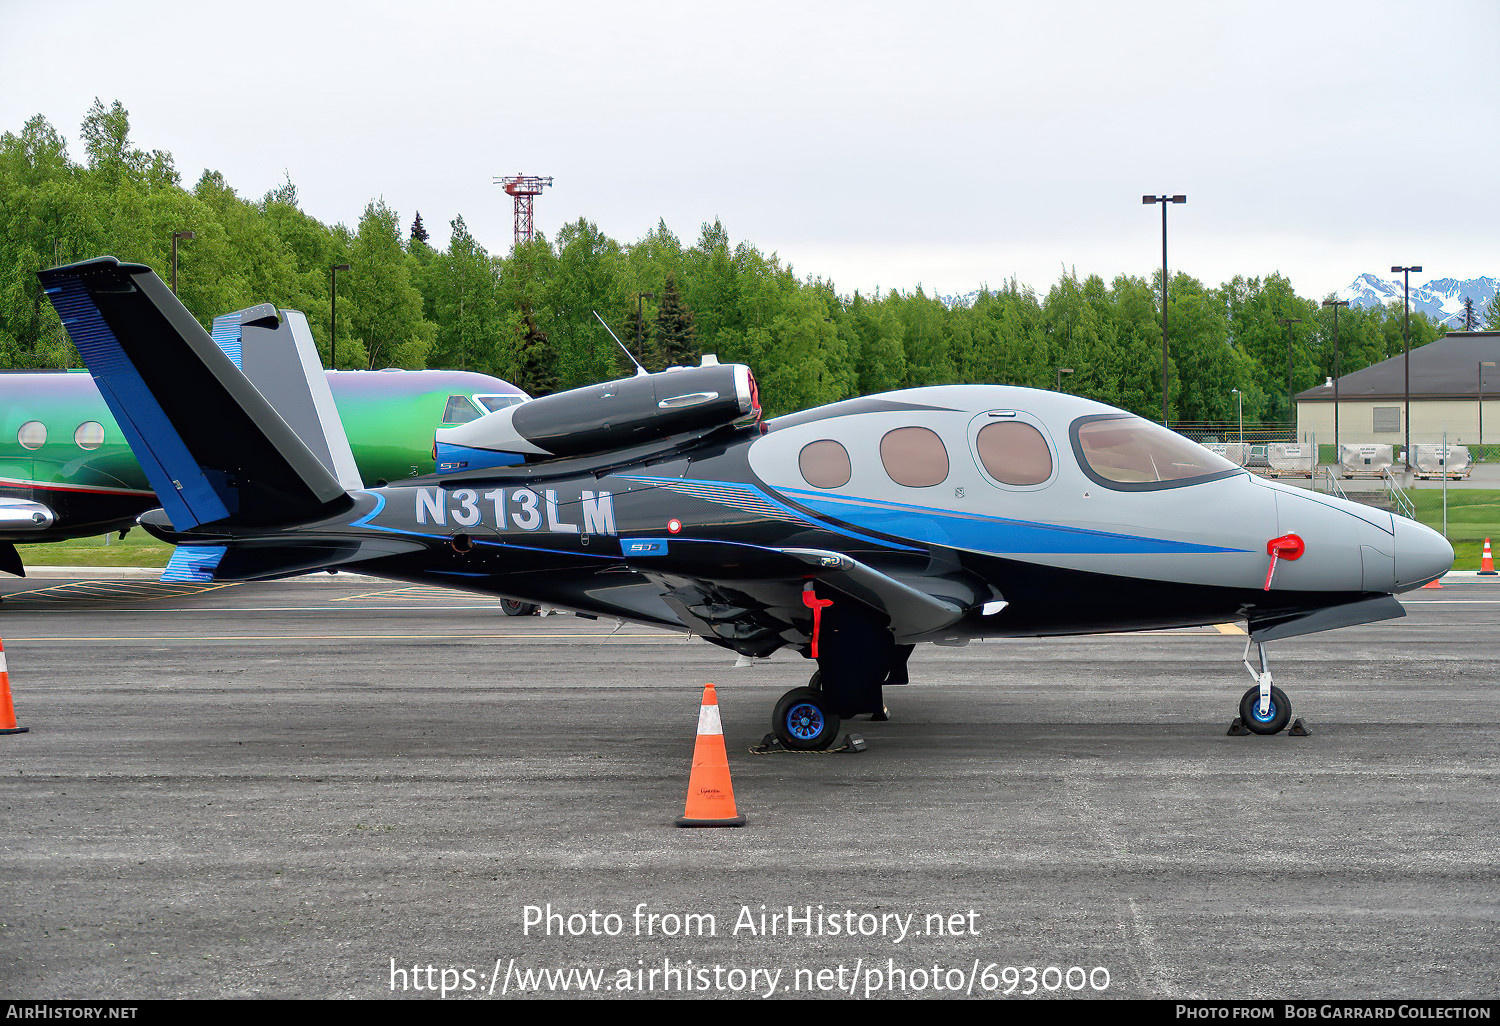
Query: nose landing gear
column 1264, row 709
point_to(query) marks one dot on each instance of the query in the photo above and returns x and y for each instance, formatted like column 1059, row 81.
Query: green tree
column 674, row 334
column 387, row 316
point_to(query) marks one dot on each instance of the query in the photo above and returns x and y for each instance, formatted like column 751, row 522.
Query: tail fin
column 279, row 357
column 214, row 449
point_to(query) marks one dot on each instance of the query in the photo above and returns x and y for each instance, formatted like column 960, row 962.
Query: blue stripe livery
column 981, row 533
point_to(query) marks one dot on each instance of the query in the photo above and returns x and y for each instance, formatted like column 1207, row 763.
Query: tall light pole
column 1336, row 303
column 176, row 236
column 1291, row 412
column 333, row 331
column 1482, row 365
column 1060, row 372
column 640, row 319
column 1239, row 398
column 1164, row 200
column 1406, row 273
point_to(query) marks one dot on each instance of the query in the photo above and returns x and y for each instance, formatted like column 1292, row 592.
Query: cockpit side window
column 1128, row 453
column 460, row 410
column 491, row 403
column 914, row 457
column 1014, row 453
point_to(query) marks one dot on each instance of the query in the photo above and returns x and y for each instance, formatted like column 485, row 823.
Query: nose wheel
column 1273, row 719
column 1264, row 709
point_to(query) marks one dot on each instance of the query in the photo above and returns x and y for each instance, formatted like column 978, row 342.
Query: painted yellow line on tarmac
column 1230, row 628
column 359, row 637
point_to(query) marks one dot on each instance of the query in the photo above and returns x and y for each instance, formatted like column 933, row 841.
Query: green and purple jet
column 66, row 470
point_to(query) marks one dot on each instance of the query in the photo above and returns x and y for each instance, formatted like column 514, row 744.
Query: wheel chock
column 1298, row 729
column 1237, row 728
column 771, row 745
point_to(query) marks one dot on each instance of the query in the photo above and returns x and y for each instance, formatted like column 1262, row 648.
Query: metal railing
column 1329, row 478
column 1399, row 497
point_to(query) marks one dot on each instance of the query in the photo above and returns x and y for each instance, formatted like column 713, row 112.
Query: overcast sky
column 873, row 144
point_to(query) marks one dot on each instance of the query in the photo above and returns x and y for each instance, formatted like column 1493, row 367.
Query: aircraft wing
column 751, row 596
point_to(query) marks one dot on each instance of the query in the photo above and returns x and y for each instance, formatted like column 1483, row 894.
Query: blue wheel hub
column 804, row 721
column 1270, row 712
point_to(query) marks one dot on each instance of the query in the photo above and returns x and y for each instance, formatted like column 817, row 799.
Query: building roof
column 1445, row 369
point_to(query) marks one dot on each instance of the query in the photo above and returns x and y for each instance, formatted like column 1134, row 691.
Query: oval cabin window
column 824, row 464
column 90, row 435
column 33, row 435
column 915, row 457
column 1014, row 453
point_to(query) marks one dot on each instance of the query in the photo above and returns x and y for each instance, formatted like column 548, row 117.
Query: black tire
column 1280, row 714
column 510, row 607
column 804, row 722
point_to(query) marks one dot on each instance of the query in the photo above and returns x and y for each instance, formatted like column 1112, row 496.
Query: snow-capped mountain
column 1442, row 299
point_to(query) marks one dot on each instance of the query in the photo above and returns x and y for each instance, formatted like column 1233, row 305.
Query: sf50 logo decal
column 524, row 508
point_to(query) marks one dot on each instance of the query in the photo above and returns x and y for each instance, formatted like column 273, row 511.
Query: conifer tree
column 418, row 233
column 538, row 359
column 676, row 337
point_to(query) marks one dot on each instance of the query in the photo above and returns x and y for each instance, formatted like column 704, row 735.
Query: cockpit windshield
column 1132, row 454
column 491, row 403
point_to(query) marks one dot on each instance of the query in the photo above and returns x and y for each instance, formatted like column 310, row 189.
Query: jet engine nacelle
column 604, row 418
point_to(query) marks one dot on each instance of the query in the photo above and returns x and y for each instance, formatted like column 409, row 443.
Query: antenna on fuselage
column 639, row 370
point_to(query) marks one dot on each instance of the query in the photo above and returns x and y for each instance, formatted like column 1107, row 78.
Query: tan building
column 1445, row 396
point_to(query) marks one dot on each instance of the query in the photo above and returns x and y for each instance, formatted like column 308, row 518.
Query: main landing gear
column 857, row 656
column 1264, row 709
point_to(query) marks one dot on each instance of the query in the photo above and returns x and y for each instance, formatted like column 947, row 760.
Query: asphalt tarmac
column 325, row 787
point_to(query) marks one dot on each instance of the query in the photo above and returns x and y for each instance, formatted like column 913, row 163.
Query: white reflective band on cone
column 708, row 720
column 2, row 660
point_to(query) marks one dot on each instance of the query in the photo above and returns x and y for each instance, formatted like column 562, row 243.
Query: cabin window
column 90, row 435
column 460, row 410
column 1132, row 454
column 499, row 402
column 1014, row 453
column 915, row 457
column 824, row 464
column 33, row 435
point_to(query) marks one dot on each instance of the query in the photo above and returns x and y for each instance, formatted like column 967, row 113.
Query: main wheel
column 804, row 721
column 1276, row 717
column 510, row 607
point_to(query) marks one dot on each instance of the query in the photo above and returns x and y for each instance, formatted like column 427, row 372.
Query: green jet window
column 914, row 457
column 90, row 435
column 33, row 435
column 460, row 410
column 824, row 464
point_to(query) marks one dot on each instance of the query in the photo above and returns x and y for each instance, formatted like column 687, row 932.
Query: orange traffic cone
column 710, row 798
column 1434, row 583
column 7, row 711
column 1487, row 561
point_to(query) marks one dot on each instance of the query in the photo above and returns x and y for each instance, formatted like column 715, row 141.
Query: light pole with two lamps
column 333, row 331
column 1406, row 273
column 1336, row 303
column 175, row 237
column 1164, row 200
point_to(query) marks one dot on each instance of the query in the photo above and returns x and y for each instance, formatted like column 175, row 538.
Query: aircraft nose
column 1422, row 554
